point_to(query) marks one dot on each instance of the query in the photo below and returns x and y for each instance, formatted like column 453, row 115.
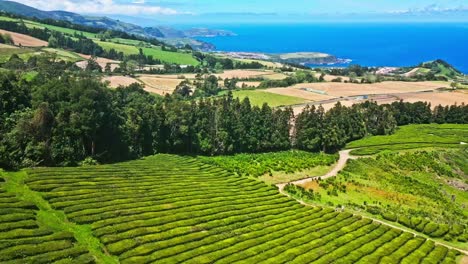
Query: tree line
column 65, row 118
column 61, row 116
column 329, row 131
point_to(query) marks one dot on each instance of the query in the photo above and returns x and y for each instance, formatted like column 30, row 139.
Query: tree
column 53, row 42
column 183, row 89
column 92, row 65
column 108, row 69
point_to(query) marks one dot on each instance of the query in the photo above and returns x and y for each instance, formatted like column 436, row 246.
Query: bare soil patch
column 435, row 98
column 411, row 73
column 350, row 89
column 116, row 81
column 101, row 61
column 157, row 85
column 296, row 92
column 250, row 74
column 25, row 40
column 445, row 98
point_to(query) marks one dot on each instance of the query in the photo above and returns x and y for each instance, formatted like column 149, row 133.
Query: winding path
column 344, row 157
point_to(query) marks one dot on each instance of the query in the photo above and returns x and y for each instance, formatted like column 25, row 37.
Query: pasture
column 260, row 97
column 157, row 53
column 173, row 209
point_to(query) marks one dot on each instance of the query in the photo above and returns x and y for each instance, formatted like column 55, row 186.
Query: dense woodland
column 317, row 130
column 55, row 114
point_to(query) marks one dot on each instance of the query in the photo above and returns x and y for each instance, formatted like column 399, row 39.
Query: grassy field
column 6, row 52
column 126, row 46
column 413, row 137
column 259, row 97
column 64, row 55
column 172, row 209
column 33, row 24
column 157, row 53
column 425, row 191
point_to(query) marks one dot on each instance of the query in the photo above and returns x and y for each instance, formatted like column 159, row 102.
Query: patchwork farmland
column 172, row 209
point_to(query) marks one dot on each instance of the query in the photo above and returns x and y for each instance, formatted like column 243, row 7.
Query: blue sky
column 247, row 11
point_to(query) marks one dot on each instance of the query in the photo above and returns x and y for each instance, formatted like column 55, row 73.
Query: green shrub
column 389, row 216
column 429, row 228
column 260, row 164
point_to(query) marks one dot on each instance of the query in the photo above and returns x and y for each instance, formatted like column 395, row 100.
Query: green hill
column 441, row 68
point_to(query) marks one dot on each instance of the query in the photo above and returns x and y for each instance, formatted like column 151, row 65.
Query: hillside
column 198, row 214
column 112, row 24
column 440, row 67
column 433, row 69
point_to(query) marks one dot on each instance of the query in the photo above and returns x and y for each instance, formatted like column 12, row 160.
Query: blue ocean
column 376, row 44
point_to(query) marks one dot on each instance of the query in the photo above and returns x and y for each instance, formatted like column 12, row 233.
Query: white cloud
column 138, row 7
column 431, row 9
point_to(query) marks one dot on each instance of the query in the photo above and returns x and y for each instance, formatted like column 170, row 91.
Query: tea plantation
column 172, row 209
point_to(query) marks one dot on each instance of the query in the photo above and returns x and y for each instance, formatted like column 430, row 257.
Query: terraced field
column 24, row 240
column 171, row 209
column 413, row 137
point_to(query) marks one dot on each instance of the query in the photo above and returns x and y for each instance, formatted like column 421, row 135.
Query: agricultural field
column 157, row 53
column 27, row 235
column 246, row 74
column 352, row 89
column 6, row 52
column 275, row 167
column 260, row 97
column 173, row 209
column 159, row 84
column 64, row 55
column 116, row 81
column 25, row 40
column 413, row 137
column 422, row 190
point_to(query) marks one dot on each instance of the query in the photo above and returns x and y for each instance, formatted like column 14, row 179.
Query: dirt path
column 344, row 157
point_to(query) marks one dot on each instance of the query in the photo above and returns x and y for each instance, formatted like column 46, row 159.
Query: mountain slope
column 108, row 23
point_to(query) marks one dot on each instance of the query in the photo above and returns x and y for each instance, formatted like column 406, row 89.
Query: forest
column 61, row 115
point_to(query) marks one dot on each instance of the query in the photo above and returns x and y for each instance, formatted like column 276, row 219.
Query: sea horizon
column 376, row 44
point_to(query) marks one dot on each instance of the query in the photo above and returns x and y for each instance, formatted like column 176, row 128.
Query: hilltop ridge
column 167, row 33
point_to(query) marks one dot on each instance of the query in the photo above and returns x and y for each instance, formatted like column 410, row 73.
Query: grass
column 283, row 177
column 24, row 53
column 171, row 57
column 165, row 56
column 127, row 46
column 59, row 29
column 413, row 137
column 259, row 97
column 126, row 41
column 64, row 55
column 173, row 209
